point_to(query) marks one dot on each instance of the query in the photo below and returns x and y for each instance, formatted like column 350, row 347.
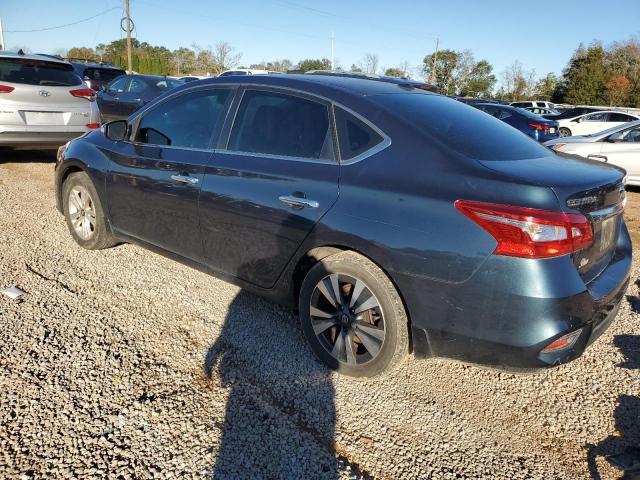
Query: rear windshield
column 102, row 74
column 462, row 128
column 37, row 72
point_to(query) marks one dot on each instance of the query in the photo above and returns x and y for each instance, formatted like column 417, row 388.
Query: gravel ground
column 124, row 363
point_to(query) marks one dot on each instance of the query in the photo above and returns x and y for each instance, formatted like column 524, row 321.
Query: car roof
column 608, row 111
column 32, row 56
column 359, row 85
column 95, row 65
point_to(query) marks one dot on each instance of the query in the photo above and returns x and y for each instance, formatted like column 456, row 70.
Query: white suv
column 43, row 102
column 534, row 103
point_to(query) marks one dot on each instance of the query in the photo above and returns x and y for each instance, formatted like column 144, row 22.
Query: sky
column 541, row 35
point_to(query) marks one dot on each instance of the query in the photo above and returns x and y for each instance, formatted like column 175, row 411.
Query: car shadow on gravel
column 27, row 156
column 280, row 415
column 622, row 449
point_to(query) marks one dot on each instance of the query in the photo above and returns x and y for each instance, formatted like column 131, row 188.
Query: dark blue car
column 394, row 219
column 537, row 127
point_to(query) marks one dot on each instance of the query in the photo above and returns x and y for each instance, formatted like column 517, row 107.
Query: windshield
column 102, row 74
column 617, row 128
column 462, row 128
column 38, row 72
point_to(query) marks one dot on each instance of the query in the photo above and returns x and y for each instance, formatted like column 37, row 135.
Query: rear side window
column 38, row 72
column 102, row 74
column 462, row 128
column 187, row 121
column 354, row 136
column 280, row 124
column 137, row 86
column 620, row 117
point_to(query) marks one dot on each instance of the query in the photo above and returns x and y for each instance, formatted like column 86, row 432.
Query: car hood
column 562, row 172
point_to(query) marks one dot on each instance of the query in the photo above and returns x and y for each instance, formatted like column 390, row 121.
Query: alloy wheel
column 82, row 213
column 347, row 319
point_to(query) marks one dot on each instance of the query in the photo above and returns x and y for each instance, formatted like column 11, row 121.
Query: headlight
column 558, row 146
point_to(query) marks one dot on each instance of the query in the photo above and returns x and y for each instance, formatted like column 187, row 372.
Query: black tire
column 99, row 235
column 564, row 132
column 388, row 314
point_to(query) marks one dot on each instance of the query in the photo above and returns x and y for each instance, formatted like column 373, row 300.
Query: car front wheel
column 84, row 213
column 352, row 316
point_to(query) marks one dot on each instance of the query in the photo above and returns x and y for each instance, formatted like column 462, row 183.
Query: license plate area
column 608, row 230
column 43, row 118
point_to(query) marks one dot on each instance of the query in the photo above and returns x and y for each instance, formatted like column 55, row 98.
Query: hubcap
column 82, row 212
column 347, row 319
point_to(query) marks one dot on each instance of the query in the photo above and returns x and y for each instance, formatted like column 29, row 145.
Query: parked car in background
column 533, row 103
column 193, row 78
column 96, row 75
column 245, row 71
column 593, row 122
column 619, row 146
column 43, row 102
column 537, row 127
column 542, row 111
column 573, row 112
column 395, row 219
column 127, row 93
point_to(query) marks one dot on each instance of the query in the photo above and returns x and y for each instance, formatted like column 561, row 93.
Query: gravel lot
column 124, row 363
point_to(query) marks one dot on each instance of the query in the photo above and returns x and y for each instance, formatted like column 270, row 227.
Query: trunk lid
column 591, row 188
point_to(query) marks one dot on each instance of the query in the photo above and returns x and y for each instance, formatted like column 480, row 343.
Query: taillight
column 6, row 89
column 84, row 93
column 529, row 232
column 539, row 126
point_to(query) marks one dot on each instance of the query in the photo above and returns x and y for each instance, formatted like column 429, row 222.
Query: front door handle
column 298, row 202
column 602, row 158
column 184, row 179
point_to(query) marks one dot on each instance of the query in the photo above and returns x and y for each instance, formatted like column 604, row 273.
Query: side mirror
column 616, row 137
column 116, row 130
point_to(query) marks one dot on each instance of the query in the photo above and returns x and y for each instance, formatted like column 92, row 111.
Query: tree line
column 595, row 74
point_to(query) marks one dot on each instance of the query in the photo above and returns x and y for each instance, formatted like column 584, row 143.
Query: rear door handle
column 184, row 179
column 298, row 202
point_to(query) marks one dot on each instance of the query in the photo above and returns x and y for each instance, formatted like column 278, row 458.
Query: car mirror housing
column 616, row 137
column 116, row 130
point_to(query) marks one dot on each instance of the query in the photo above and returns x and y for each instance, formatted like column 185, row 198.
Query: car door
column 625, row 153
column 154, row 180
column 139, row 92
column 267, row 188
column 109, row 99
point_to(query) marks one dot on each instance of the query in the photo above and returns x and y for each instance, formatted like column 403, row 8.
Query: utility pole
column 128, row 20
column 432, row 77
column 2, row 45
column 333, row 51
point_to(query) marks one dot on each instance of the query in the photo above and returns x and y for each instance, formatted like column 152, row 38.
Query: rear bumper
column 511, row 309
column 39, row 139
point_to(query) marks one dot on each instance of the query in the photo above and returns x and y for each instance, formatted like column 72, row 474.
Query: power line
column 66, row 24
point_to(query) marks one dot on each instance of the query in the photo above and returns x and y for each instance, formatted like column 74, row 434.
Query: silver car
column 619, row 146
column 43, row 102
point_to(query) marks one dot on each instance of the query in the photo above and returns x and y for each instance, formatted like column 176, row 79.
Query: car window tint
column 103, row 74
column 38, row 72
column 280, row 124
column 540, row 104
column 596, row 117
column 620, row 117
column 187, row 121
column 461, row 128
column 632, row 135
column 503, row 114
column 354, row 136
column 137, row 86
column 119, row 85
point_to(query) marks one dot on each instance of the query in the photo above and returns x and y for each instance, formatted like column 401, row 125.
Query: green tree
column 314, row 64
column 394, row 72
column 480, row 81
column 586, row 76
column 546, row 86
column 85, row 53
column 444, row 64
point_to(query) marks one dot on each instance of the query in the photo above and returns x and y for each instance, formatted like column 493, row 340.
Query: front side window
column 119, row 85
column 137, row 86
column 187, row 121
column 38, row 72
column 280, row 124
column 354, row 136
column 596, row 117
column 632, row 135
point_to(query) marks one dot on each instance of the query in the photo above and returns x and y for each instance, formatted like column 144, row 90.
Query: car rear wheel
column 564, row 132
column 352, row 316
column 84, row 213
